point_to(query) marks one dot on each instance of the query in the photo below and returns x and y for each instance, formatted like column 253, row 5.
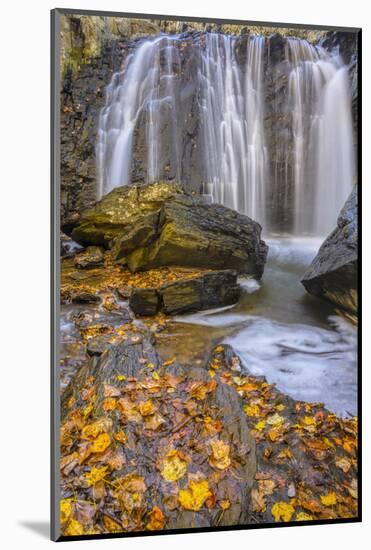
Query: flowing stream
column 277, row 329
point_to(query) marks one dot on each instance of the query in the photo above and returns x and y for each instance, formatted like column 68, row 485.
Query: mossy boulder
column 159, row 224
column 333, row 273
column 132, row 210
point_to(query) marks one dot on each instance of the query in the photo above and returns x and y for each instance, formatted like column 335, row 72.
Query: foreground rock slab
column 333, row 273
column 150, row 445
column 154, row 225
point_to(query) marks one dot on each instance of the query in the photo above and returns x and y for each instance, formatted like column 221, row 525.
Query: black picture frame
column 55, row 267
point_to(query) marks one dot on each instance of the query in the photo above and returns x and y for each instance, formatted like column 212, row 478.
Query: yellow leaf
column 168, row 362
column 73, row 528
column 121, row 437
column 146, row 408
column 157, row 519
column 121, row 377
column 95, row 475
column 275, row 420
column 282, row 511
column 219, row 349
column 211, row 373
column 260, row 426
column 285, row 453
column 155, row 376
column 109, row 404
column 280, row 407
column 87, row 410
column 251, row 410
column 91, row 431
column 65, row 509
column 111, row 525
column 101, row 443
column 309, row 420
column 174, row 467
column 303, row 516
column 273, row 435
column 329, row 499
column 195, row 495
column 220, row 458
column 225, row 504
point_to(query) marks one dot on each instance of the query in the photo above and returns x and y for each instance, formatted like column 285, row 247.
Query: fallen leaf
column 260, row 426
column 329, row 500
column 73, row 528
column 111, row 525
column 121, row 437
column 157, row 519
column 282, row 511
column 147, row 408
column 303, row 516
column 220, row 458
column 258, row 502
column 275, row 420
column 101, row 443
column 195, row 495
column 344, row 464
column 95, row 475
column 174, row 467
column 65, row 509
column 225, row 504
column 251, row 410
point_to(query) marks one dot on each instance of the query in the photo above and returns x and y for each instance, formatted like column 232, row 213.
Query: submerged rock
column 159, row 224
column 333, row 273
column 209, row 290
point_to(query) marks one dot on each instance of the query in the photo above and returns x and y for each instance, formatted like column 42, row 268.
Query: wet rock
column 133, row 209
column 144, row 301
column 214, row 289
column 91, row 257
column 85, row 297
column 333, row 272
column 144, row 445
column 160, row 224
column 209, row 290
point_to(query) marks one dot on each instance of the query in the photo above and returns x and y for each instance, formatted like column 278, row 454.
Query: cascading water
column 147, row 96
column 322, row 150
column 149, row 84
column 232, row 118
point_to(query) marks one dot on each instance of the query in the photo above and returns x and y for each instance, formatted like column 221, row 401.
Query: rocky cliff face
column 333, row 273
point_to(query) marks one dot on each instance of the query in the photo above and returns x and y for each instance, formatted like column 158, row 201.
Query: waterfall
column 232, row 117
column 146, row 114
column 148, row 84
column 322, row 150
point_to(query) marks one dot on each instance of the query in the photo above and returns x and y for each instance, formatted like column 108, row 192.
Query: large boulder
column 333, row 273
column 159, row 224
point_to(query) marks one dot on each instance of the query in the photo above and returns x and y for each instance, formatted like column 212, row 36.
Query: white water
column 323, row 162
column 231, row 139
column 292, row 339
column 144, row 86
column 232, row 116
